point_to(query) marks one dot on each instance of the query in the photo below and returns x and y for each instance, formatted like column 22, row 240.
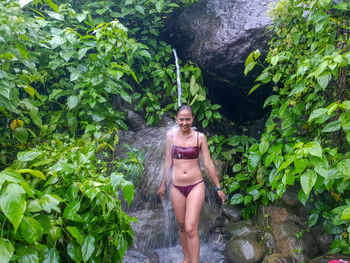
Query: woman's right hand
column 161, row 192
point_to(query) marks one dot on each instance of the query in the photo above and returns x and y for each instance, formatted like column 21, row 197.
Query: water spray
column 178, row 81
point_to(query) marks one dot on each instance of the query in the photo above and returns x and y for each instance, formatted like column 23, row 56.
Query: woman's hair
column 184, row 107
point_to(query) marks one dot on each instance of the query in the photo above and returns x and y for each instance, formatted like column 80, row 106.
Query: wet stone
column 244, row 250
column 232, row 213
column 239, row 229
column 278, row 258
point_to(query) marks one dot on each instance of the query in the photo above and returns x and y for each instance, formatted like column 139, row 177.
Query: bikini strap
column 197, row 139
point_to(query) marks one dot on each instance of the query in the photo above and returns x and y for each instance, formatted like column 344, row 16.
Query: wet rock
column 209, row 220
column 290, row 197
column 219, row 35
column 232, row 213
column 301, row 248
column 239, row 229
column 278, row 258
column 268, row 241
column 244, row 250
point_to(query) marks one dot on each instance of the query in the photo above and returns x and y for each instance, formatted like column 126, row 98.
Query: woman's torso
column 185, row 152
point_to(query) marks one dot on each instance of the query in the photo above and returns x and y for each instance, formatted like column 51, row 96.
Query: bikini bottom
column 186, row 190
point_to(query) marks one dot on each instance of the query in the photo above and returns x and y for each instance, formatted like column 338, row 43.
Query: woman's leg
column 179, row 205
column 194, row 204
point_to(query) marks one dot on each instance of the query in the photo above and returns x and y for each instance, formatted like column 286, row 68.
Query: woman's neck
column 185, row 134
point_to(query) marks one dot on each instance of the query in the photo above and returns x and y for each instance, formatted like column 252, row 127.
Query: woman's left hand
column 221, row 194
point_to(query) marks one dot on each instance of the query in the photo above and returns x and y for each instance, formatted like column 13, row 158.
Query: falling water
column 178, row 81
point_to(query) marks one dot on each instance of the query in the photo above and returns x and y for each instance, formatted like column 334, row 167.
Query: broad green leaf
column 277, row 77
column 75, row 233
column 28, row 155
column 302, row 197
column 255, row 193
column 236, row 199
column 21, row 134
column 324, row 79
column 253, row 160
column 321, row 166
column 159, row 5
column 82, row 52
column 308, row 180
column 236, row 168
column 274, row 60
column 128, row 191
column 51, row 256
column 332, row 126
column 88, row 247
column 300, row 165
column 70, row 212
column 36, row 173
column 27, row 254
column 140, row 9
column 194, row 89
column 313, row 148
column 6, row 250
column 346, row 214
column 116, row 179
column 31, row 229
column 263, row 146
column 317, row 113
column 74, row 251
column 52, row 5
column 208, row 114
column 57, row 41
column 72, row 102
column 247, row 199
column 344, row 167
column 145, row 53
column 11, row 176
column 56, row 16
column 312, row 220
column 248, row 68
column 13, row 203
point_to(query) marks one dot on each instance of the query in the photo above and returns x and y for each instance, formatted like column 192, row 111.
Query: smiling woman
column 187, row 187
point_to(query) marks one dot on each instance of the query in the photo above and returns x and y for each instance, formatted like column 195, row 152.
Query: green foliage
column 65, row 72
column 59, row 202
column 306, row 140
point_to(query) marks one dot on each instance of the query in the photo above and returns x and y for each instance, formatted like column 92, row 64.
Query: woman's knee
column 191, row 230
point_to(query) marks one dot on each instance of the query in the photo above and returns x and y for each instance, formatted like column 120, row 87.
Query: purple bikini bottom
column 186, row 190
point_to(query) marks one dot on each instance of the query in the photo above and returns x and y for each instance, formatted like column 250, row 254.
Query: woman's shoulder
column 201, row 136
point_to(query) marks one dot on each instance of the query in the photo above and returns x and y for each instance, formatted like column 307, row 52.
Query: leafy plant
column 306, row 138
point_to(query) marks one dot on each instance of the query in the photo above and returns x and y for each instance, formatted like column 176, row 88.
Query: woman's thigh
column 179, row 205
column 194, row 204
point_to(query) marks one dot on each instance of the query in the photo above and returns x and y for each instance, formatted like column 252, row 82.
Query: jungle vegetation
column 68, row 69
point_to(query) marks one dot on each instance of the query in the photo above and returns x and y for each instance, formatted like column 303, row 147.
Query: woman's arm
column 209, row 165
column 167, row 165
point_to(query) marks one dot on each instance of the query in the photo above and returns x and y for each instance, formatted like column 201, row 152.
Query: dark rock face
column 219, row 35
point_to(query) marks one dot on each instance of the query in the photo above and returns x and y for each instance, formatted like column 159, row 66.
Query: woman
column 187, row 187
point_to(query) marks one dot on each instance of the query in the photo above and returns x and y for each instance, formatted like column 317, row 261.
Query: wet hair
column 184, row 107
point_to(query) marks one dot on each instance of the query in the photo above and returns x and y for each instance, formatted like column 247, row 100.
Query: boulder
column 244, row 250
column 219, row 35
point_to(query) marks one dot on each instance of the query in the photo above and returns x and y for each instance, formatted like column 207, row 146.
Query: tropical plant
column 306, row 140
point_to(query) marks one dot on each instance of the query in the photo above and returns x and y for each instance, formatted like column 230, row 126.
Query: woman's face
column 184, row 119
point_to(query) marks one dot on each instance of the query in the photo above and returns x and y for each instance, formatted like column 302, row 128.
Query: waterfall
column 178, row 80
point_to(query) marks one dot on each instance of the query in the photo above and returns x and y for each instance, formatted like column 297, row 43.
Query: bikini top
column 190, row 152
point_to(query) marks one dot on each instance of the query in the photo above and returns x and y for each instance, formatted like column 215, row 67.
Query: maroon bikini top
column 190, row 152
